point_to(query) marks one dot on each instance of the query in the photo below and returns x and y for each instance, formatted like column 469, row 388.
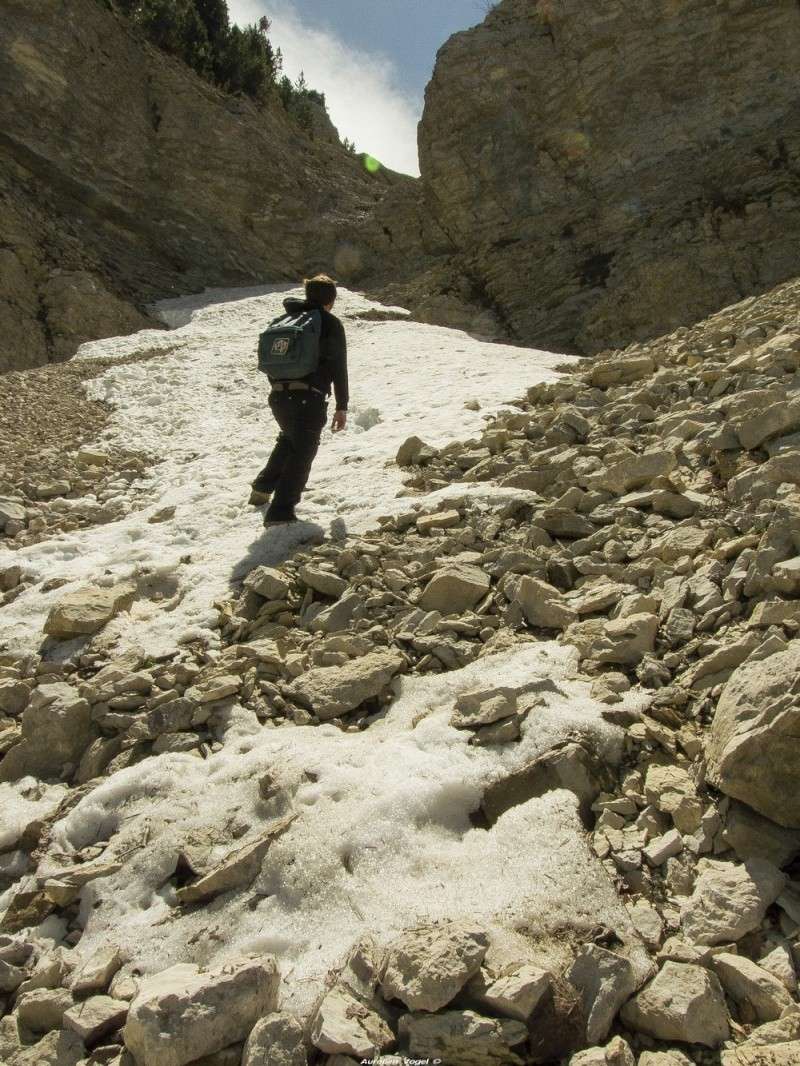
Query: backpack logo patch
column 280, row 346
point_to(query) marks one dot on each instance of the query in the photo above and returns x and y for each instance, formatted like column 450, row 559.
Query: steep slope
column 606, row 172
column 123, row 176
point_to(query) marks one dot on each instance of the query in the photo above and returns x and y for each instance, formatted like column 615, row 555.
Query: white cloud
column 360, row 87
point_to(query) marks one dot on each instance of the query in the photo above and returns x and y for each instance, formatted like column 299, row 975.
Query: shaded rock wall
column 607, row 172
column 124, row 177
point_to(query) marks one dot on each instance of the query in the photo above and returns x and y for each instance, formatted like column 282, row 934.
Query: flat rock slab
column 426, row 967
column 87, row 610
column 329, row 691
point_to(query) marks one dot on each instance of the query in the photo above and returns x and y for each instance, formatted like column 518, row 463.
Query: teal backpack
column 288, row 348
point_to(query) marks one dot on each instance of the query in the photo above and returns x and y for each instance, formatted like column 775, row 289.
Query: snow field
column 383, row 838
column 201, row 408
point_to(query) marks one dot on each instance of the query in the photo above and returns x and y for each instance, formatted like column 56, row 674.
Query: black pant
column 301, row 416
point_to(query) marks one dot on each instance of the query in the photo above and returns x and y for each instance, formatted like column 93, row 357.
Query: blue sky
column 371, row 59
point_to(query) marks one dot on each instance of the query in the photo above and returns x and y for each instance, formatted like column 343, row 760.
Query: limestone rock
column 267, row 582
column 751, row 753
column 330, row 691
column 414, row 452
column 456, row 588
column 683, row 1002
column 323, row 581
column 463, row 1037
column 754, row 837
column 483, row 707
column 56, row 729
column 276, row 1040
column 729, row 900
column 236, row 870
column 59, row 1048
column 95, row 1016
column 343, row 1024
column 515, row 993
column 616, row 1053
column 749, row 985
column 543, row 605
column 183, row 1013
column 626, row 640
column 42, row 1009
column 605, row 981
column 87, row 610
column 427, row 966
column 786, row 1054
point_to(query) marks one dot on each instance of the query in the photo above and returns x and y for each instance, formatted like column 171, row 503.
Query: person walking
column 300, row 407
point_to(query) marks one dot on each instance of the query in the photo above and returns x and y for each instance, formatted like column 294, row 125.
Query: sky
column 371, row 58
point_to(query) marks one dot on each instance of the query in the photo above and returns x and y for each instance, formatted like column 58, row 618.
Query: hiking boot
column 279, row 516
column 258, row 498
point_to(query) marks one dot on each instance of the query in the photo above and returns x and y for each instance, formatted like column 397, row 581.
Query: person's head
column 320, row 290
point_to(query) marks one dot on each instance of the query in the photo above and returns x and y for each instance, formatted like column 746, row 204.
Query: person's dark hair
column 320, row 290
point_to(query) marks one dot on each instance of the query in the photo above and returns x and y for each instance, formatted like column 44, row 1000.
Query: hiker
column 304, row 354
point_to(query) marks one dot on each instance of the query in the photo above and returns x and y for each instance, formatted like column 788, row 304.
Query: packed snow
column 201, row 409
column 382, row 839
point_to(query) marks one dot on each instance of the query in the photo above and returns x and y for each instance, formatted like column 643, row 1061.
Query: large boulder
column 463, row 1037
column 752, row 753
column 183, row 1013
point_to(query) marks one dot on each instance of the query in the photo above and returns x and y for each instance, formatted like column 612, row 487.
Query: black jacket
column 332, row 369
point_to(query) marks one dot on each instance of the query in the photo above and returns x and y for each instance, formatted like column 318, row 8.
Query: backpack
column 288, row 348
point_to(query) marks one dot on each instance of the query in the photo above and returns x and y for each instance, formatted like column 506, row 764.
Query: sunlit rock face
column 607, row 172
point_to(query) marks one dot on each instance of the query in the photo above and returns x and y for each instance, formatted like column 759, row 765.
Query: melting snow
column 200, row 408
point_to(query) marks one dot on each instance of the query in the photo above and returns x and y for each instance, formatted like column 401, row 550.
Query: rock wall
column 608, row 172
column 124, row 177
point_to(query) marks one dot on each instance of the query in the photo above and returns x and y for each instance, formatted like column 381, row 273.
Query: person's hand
column 339, row 421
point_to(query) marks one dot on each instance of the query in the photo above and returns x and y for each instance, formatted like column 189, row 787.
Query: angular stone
column 785, row 1054
column 568, row 766
column 95, row 1017
column 276, row 1040
column 625, row 640
column 182, row 1013
column 616, row 1053
column 267, row 582
column 683, row 1002
column 94, row 975
column 414, row 452
column 213, row 687
column 670, row 789
column 87, row 610
column 749, row 985
column 343, row 1024
column 605, row 981
column 752, row 754
column 237, row 869
column 543, row 605
column 426, row 967
column 56, row 728
column 58, row 1048
column 439, row 520
column 729, row 900
column 454, row 589
column 463, row 1037
column 323, row 581
column 515, row 993
column 330, row 691
column 42, row 1009
column 752, row 836
column 483, row 707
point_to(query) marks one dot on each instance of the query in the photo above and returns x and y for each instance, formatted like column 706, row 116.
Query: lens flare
column 371, row 164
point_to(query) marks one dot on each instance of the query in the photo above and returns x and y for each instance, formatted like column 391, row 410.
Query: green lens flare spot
column 371, row 164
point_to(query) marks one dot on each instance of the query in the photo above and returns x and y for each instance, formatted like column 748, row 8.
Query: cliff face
column 123, row 176
column 607, row 172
